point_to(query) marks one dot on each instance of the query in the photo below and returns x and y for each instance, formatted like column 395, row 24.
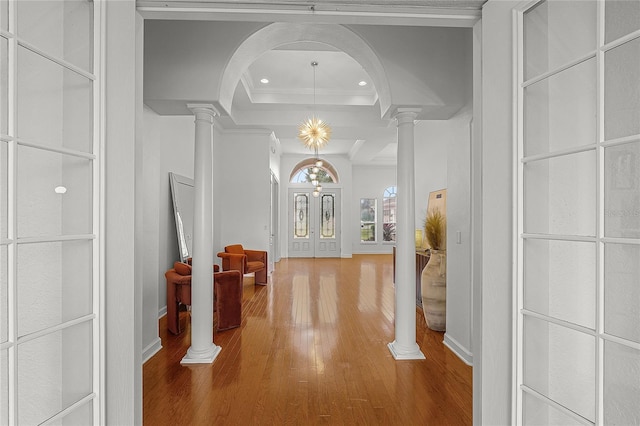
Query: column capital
column 406, row 115
column 204, row 111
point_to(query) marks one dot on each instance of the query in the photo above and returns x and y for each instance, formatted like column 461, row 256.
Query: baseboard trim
column 458, row 349
column 151, row 350
column 162, row 312
column 346, row 256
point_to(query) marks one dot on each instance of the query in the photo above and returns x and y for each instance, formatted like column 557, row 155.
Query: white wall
column 431, row 139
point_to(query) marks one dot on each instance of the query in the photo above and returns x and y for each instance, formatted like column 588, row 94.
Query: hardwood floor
column 312, row 350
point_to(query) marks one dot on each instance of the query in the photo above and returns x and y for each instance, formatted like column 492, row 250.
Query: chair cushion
column 182, row 268
column 235, row 248
column 253, row 267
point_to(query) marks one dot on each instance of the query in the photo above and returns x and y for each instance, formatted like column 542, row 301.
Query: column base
column 201, row 357
column 400, row 353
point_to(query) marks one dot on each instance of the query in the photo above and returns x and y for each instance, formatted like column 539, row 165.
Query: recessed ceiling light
column 264, row 80
column 362, row 83
column 60, row 189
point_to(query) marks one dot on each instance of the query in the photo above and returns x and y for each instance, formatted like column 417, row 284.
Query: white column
column 405, row 346
column 202, row 350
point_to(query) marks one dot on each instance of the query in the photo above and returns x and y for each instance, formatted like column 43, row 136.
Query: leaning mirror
column 182, row 194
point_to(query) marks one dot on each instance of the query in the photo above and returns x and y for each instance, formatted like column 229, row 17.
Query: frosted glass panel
column 4, row 189
column 4, row 296
column 622, row 191
column 538, row 413
column 301, row 215
column 560, row 111
column 559, row 280
column 621, row 91
column 54, row 371
column 63, row 29
column 560, row 364
column 621, row 18
column 4, row 85
column 4, row 388
column 42, row 211
column 621, row 385
column 621, row 291
column 59, row 100
column 560, row 195
column 54, row 284
column 327, row 216
column 556, row 33
column 80, row 417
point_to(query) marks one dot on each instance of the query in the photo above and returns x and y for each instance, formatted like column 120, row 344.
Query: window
column 368, row 213
column 389, row 214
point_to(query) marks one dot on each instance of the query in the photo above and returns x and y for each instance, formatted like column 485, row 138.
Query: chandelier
column 313, row 132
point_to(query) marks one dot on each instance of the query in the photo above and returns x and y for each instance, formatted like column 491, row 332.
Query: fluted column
column 405, row 346
column 202, row 350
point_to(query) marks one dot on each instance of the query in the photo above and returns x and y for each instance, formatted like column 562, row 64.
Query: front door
column 314, row 223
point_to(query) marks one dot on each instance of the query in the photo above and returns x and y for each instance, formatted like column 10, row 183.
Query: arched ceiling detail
column 281, row 33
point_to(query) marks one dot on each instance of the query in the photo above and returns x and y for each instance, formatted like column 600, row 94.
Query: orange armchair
column 227, row 292
column 237, row 258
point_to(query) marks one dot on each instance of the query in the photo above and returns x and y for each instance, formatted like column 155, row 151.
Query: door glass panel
column 41, row 210
column 621, row 291
column 560, row 195
column 556, row 33
column 4, row 189
column 537, row 413
column 621, row 18
column 4, row 296
column 4, row 387
column 622, row 191
column 301, row 215
column 54, row 283
column 54, row 371
column 58, row 99
column 63, row 29
column 4, row 85
column 621, row 384
column 560, row 364
column 621, row 94
column 79, row 417
column 553, row 106
column 368, row 207
column 559, row 280
column 327, row 214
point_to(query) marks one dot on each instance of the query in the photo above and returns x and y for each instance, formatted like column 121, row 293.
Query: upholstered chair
column 227, row 296
column 235, row 257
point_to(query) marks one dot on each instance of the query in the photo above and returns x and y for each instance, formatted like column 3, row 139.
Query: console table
column 422, row 257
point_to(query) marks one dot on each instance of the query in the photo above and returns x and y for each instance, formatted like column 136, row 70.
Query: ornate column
column 202, row 350
column 405, row 346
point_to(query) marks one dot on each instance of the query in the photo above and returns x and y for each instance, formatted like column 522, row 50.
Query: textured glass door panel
column 621, row 91
column 4, row 86
column 41, row 210
column 560, row 364
column 560, row 195
column 621, row 18
column 54, row 284
column 4, row 388
column 556, row 33
column 63, row 29
column 59, row 100
column 621, row 385
column 4, row 296
column 80, row 417
column 4, row 189
column 327, row 216
column 622, row 190
column 553, row 106
column 559, row 280
column 538, row 413
column 54, row 371
column 622, row 291
column 301, row 215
